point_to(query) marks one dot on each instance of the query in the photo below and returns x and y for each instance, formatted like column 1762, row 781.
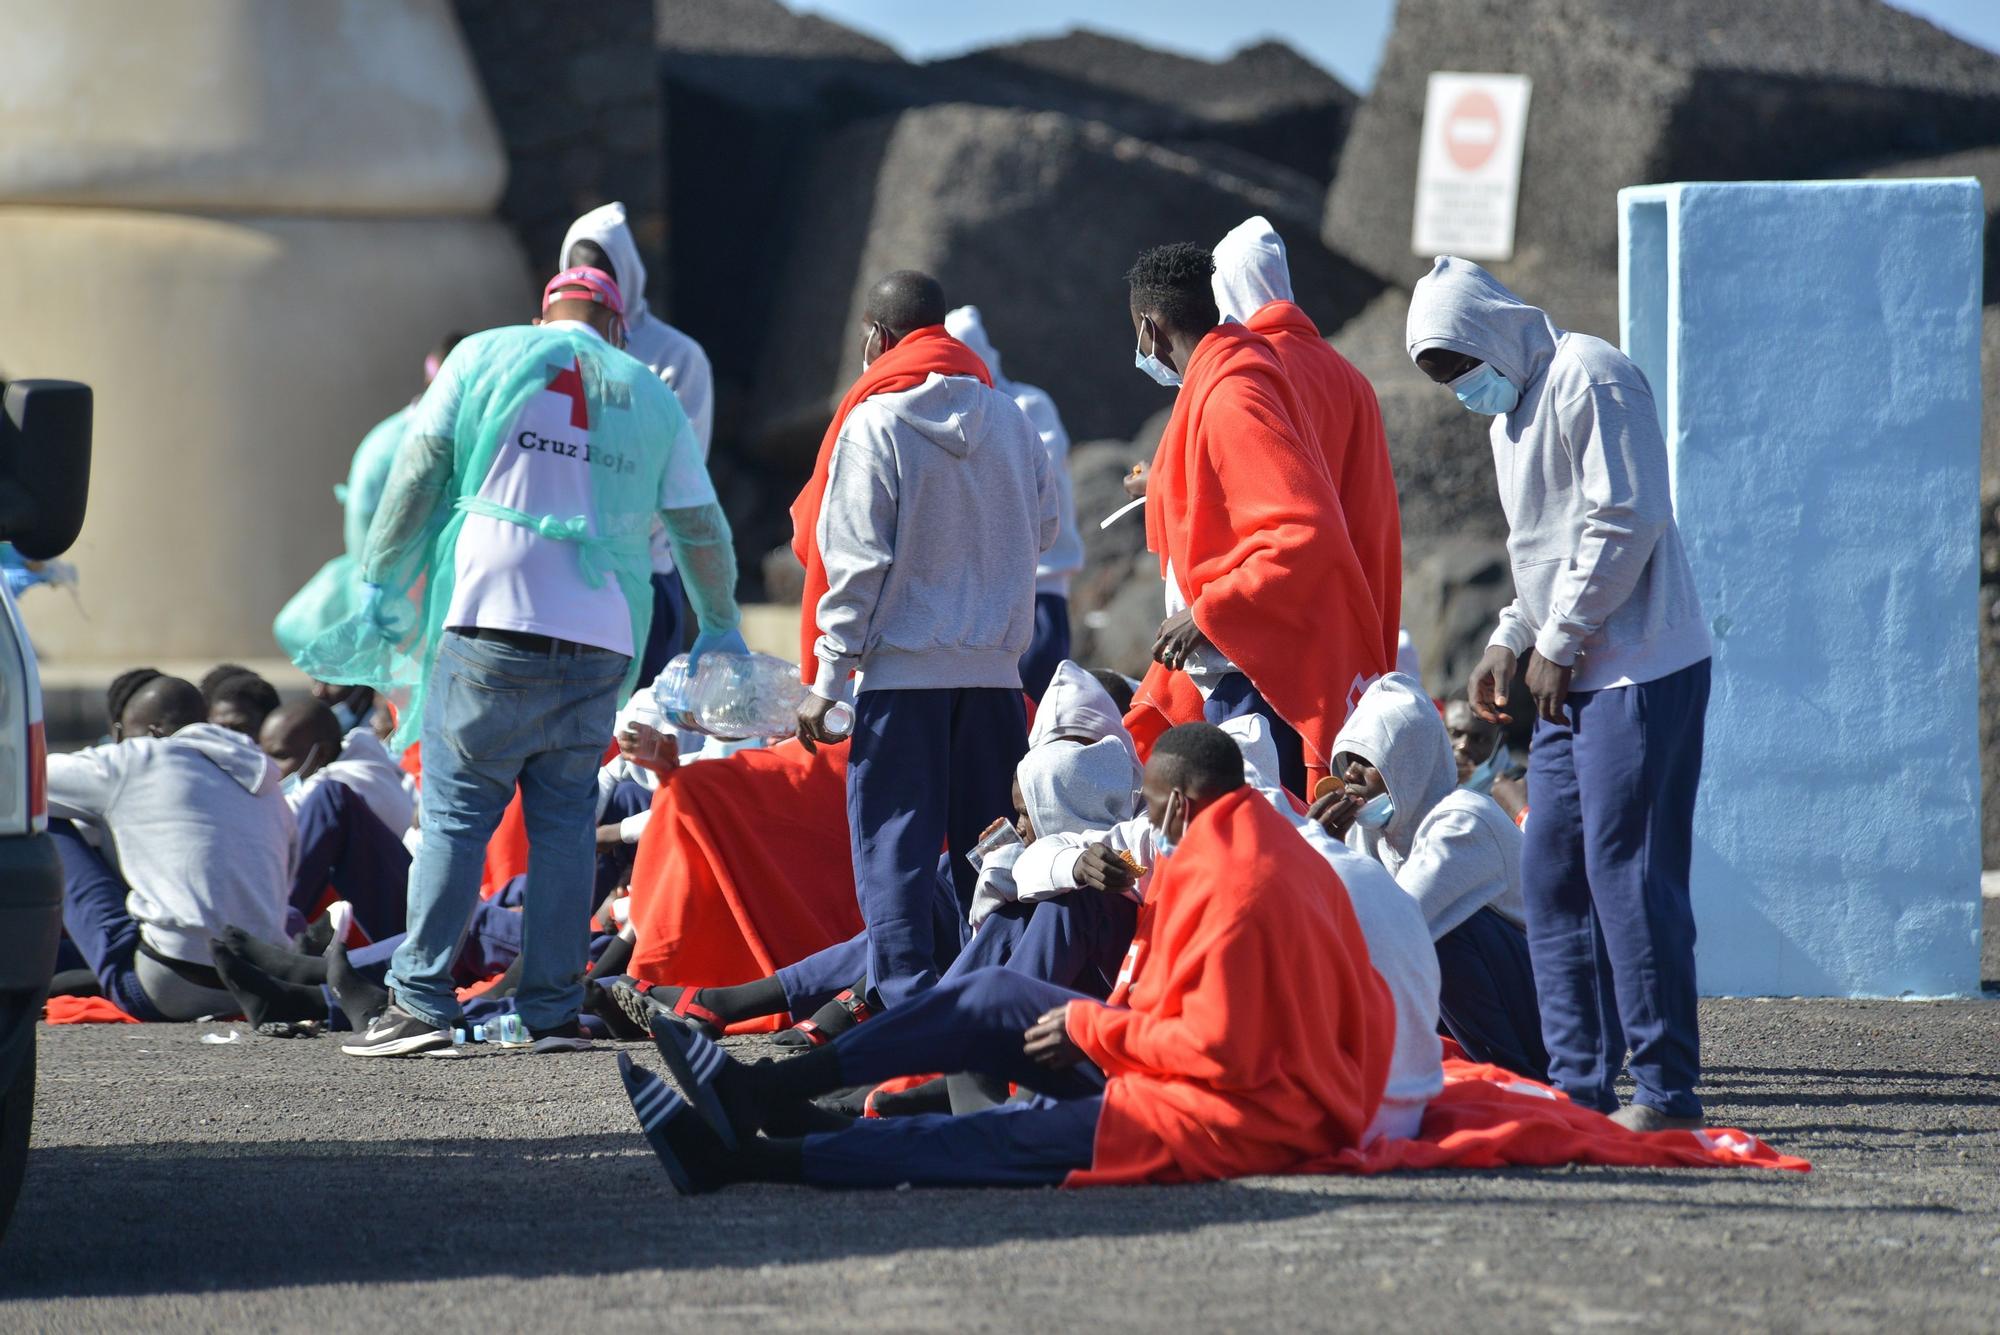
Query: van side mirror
column 44, row 465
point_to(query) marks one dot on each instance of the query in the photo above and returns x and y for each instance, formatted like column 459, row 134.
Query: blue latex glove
column 390, row 616
column 727, row 641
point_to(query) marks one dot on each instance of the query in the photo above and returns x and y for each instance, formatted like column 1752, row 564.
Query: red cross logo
column 569, row 380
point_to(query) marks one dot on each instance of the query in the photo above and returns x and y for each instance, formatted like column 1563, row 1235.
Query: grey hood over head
column 1250, row 269
column 1076, row 705
column 606, row 226
column 1397, row 729
column 1069, row 788
column 1461, row 307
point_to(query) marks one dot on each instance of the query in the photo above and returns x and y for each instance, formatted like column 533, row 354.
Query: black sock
column 804, row 1119
column 613, row 961
column 264, row 999
column 745, row 1001
column 770, row 1159
column 778, row 1085
column 285, row 965
column 971, row 1091
column 360, row 1000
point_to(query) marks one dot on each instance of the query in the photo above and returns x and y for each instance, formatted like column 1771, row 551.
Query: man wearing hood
column 1253, row 286
column 1453, row 851
column 1061, row 561
column 928, row 510
column 1241, row 512
column 167, row 837
column 1618, row 665
column 602, row 239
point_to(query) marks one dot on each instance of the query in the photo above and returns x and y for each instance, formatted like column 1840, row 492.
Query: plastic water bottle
column 737, row 696
column 511, row 1031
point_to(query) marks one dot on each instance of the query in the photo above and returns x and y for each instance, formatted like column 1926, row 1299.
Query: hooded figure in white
column 670, row 354
column 1250, row 269
column 1065, row 557
column 1399, row 945
column 1602, row 580
column 1077, row 707
column 1067, row 789
column 1452, row 850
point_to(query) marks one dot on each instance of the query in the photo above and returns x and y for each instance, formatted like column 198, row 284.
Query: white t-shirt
column 508, row 577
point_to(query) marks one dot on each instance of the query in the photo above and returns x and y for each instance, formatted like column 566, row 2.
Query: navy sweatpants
column 1049, row 647
column 1604, row 870
column 925, row 769
column 345, row 845
column 1078, row 941
column 1486, row 994
column 1235, row 697
column 820, row 977
column 95, row 921
column 971, row 1023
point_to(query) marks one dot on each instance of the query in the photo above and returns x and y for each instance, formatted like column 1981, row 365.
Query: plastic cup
column 840, row 719
column 999, row 839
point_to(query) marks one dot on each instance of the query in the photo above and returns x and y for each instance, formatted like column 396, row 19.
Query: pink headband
column 596, row 286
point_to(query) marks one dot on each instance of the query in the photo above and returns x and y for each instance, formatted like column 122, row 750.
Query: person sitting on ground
column 1485, row 763
column 166, row 837
column 352, row 811
column 1456, row 853
column 239, row 699
column 1197, row 1068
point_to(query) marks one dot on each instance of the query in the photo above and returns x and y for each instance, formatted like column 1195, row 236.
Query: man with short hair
column 1242, row 514
column 929, row 506
column 238, row 699
column 523, row 499
column 165, row 838
column 602, row 239
column 1618, row 664
column 1197, row 1068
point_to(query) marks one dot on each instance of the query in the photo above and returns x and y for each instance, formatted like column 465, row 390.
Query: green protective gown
column 335, row 593
column 410, row 551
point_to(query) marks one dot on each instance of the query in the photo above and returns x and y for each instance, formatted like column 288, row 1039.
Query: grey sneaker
column 397, row 1033
column 1640, row 1117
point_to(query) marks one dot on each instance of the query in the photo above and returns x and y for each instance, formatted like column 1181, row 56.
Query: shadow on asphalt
column 189, row 1218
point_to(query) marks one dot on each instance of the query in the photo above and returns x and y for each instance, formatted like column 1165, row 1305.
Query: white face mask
column 867, row 357
column 1150, row 362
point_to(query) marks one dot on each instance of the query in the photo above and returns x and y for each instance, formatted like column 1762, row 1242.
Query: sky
column 1344, row 36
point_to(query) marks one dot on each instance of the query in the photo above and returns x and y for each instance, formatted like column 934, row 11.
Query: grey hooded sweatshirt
column 1452, row 850
column 1601, row 580
column 196, row 825
column 939, row 502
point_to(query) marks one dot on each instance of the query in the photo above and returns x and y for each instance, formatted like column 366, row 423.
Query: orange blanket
column 905, row 366
column 743, row 869
column 1248, row 1032
column 1346, row 420
column 1240, row 504
column 84, row 1010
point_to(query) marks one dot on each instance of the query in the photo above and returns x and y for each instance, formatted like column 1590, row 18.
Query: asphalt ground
column 278, row 1185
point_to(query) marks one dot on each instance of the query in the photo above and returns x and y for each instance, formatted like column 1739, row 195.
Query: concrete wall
column 1815, row 347
column 242, row 222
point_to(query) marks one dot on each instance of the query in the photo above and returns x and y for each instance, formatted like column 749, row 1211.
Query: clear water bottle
column 737, row 696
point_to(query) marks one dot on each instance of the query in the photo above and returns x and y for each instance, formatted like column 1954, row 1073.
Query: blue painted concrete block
column 1814, row 347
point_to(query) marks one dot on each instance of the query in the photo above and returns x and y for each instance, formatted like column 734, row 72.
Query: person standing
column 602, row 239
column 1606, row 612
column 929, row 506
column 1064, row 559
column 1242, row 513
column 522, row 500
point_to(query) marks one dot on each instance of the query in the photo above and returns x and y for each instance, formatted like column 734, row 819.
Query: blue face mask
column 1482, row 777
column 1163, row 843
column 290, row 783
column 1485, row 390
column 1377, row 813
column 349, row 719
column 1150, row 363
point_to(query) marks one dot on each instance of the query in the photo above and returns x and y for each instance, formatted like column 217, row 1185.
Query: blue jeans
column 1604, row 871
column 498, row 715
column 925, row 768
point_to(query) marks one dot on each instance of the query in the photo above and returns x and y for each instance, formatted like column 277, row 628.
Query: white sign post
column 1469, row 165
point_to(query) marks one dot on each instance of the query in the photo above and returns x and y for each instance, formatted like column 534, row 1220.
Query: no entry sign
column 1469, row 165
